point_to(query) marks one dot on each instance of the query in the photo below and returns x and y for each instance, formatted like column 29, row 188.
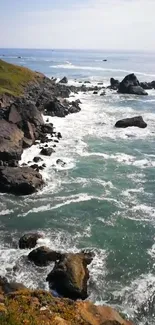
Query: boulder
column 9, row 287
column 70, row 275
column 20, row 180
column 133, row 121
column 46, row 151
column 43, row 256
column 37, row 159
column 11, row 139
column 56, row 108
column 28, row 241
column 64, row 80
column 131, row 85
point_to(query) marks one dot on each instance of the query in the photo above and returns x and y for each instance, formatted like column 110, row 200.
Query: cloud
column 102, row 24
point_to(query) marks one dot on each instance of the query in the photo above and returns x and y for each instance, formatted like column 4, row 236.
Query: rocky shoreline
column 22, row 124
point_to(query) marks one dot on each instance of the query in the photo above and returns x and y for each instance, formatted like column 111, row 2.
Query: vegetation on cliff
column 28, row 307
column 13, row 79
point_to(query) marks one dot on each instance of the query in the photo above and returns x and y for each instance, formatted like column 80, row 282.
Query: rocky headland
column 66, row 301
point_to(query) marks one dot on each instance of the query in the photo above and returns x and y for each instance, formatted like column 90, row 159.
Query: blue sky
column 96, row 24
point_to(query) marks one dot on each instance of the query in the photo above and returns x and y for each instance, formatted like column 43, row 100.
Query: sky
column 78, row 24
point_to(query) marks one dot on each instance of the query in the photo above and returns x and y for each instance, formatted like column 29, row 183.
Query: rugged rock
column 20, row 180
column 114, row 84
column 43, row 256
column 11, row 139
column 28, row 241
column 70, row 275
column 64, row 80
column 134, row 121
column 131, row 85
column 46, row 151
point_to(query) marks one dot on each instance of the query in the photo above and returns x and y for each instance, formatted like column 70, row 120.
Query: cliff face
column 41, row 308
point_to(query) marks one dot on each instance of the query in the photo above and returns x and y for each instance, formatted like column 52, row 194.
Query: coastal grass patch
column 14, row 79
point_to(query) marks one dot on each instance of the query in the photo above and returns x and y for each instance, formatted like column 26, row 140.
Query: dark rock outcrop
column 28, row 241
column 37, row 159
column 70, row 275
column 134, row 121
column 131, row 85
column 43, row 256
column 20, row 180
column 11, row 139
column 114, row 84
column 46, row 151
column 64, row 80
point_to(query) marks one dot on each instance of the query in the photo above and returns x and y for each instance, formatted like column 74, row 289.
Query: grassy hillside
column 13, row 79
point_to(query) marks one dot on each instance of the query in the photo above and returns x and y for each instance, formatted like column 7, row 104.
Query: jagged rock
column 64, row 80
column 114, row 84
column 103, row 93
column 28, row 241
column 95, row 92
column 134, row 121
column 131, row 85
column 20, row 180
column 69, row 276
column 87, row 82
column 10, row 142
column 43, row 256
column 46, row 151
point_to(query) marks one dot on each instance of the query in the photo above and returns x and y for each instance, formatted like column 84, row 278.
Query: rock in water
column 70, row 275
column 46, row 151
column 114, row 84
column 29, row 240
column 64, row 80
column 133, row 121
column 20, row 180
column 131, row 85
column 42, row 256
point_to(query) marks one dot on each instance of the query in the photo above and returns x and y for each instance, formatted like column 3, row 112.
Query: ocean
column 104, row 198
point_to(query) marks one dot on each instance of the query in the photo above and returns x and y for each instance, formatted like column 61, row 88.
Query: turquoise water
column 104, row 199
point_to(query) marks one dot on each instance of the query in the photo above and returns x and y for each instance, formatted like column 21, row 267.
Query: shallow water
column 104, row 199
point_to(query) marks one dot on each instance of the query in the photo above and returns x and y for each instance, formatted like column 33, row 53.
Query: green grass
column 14, row 79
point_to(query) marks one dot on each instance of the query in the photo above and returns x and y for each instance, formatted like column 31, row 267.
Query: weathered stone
column 20, row 180
column 29, row 240
column 69, row 276
column 43, row 256
column 134, row 121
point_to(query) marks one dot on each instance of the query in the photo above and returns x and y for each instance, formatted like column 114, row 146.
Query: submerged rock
column 70, row 276
column 133, row 121
column 43, row 256
column 20, row 180
column 28, row 241
column 131, row 85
